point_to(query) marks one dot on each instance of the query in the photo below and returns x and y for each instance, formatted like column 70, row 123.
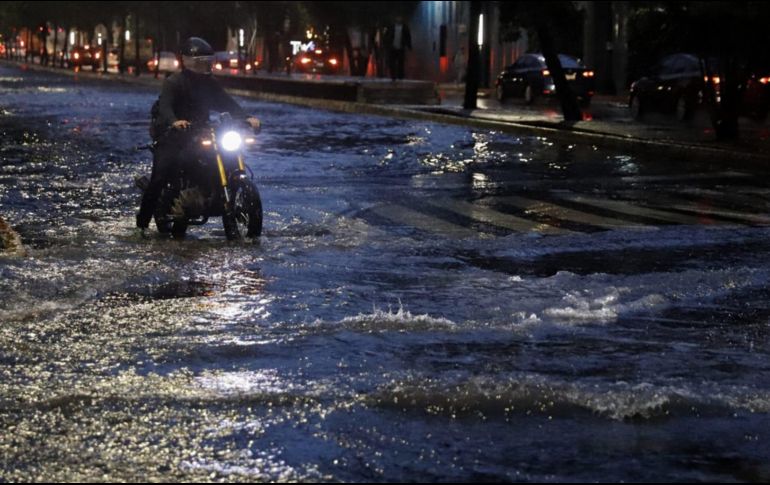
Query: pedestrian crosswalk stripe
column 629, row 208
column 753, row 191
column 486, row 215
column 755, row 202
column 405, row 216
column 712, row 211
column 659, row 207
column 683, row 177
column 668, row 202
column 565, row 213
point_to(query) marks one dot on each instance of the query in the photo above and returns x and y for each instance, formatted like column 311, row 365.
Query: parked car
column 677, row 84
column 164, row 61
column 85, row 56
column 316, row 61
column 225, row 60
column 529, row 78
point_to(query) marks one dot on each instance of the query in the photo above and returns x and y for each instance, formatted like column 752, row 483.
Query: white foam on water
column 568, row 298
column 401, row 319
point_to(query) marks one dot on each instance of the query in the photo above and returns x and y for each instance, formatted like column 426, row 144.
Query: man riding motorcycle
column 186, row 98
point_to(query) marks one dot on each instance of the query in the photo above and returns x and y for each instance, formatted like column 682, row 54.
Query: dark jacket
column 190, row 96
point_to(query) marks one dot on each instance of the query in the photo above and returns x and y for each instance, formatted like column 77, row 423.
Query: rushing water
column 345, row 346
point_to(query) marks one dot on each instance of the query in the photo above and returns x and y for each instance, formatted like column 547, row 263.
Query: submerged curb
column 561, row 132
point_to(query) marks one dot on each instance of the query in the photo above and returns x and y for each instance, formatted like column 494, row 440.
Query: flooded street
column 427, row 303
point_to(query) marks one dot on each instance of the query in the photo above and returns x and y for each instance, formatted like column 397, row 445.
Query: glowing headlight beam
column 231, row 141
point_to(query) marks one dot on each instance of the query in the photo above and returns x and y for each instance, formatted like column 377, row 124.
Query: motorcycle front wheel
column 244, row 217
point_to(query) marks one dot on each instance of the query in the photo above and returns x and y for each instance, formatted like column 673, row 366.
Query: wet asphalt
column 427, row 303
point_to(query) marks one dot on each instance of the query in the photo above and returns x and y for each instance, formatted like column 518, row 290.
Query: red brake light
column 333, row 61
column 764, row 80
column 218, row 66
column 588, row 74
column 305, row 60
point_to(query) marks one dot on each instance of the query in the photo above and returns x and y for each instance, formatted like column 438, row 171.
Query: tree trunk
column 105, row 50
column 136, row 45
column 45, row 58
column 727, row 109
column 122, row 47
column 55, row 42
column 65, row 48
column 472, row 75
column 28, row 49
column 156, row 44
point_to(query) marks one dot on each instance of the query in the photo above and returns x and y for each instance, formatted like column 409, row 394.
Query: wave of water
column 501, row 396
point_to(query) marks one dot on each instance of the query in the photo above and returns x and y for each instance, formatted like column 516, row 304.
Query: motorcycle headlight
column 231, row 141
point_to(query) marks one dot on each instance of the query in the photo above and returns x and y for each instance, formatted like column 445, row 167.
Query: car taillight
column 588, row 74
column 333, row 61
column 546, row 73
column 305, row 60
column 176, row 63
column 218, row 66
column 76, row 56
column 248, row 67
column 764, row 80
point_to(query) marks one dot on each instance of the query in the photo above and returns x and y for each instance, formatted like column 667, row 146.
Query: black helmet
column 196, row 47
column 197, row 55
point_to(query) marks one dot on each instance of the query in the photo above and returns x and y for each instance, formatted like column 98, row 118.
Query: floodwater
column 419, row 307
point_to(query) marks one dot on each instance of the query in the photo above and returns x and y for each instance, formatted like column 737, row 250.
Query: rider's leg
column 163, row 166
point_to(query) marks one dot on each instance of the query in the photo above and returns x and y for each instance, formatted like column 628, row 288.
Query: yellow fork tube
column 240, row 163
column 222, row 174
column 221, row 166
column 223, row 177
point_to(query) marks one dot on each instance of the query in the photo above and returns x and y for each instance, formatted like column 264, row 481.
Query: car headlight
column 231, row 141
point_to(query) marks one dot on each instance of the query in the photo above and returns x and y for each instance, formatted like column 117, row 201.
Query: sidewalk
column 609, row 116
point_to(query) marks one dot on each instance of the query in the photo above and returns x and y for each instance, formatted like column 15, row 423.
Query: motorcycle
column 215, row 182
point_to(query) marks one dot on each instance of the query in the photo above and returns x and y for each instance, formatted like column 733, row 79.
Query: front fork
column 223, row 173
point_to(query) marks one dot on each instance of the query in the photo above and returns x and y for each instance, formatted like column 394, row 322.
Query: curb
column 563, row 133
